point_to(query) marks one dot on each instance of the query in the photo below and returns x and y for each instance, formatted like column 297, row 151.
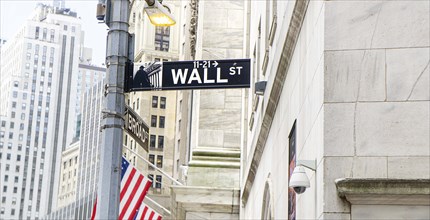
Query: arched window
column 267, row 208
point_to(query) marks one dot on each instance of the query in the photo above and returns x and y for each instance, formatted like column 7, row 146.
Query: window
column 151, row 177
column 152, row 159
column 158, row 181
column 162, row 120
column 162, row 38
column 155, row 101
column 3, row 199
column 15, row 94
column 36, row 34
column 159, row 161
column 6, row 178
column 153, row 121
column 163, row 102
column 44, row 33
column 152, row 141
column 65, row 27
column 52, row 35
column 267, row 204
column 160, row 141
column 28, row 46
column 138, row 103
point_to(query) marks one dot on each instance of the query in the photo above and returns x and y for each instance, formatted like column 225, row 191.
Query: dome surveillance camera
column 299, row 180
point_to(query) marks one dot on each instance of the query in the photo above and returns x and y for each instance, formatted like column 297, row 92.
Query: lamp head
column 159, row 15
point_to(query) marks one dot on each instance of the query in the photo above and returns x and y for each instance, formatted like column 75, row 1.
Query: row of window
column 162, row 121
column 70, row 162
column 9, row 156
column 153, row 139
column 159, row 163
column 162, row 102
column 157, row 182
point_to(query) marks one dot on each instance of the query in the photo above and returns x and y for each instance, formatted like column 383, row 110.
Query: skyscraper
column 37, row 110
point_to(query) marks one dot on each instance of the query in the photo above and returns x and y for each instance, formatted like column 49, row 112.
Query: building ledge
column 215, row 164
column 384, row 191
column 204, row 199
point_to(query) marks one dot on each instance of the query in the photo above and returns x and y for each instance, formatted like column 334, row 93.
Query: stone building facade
column 68, row 175
column 347, row 88
column 211, row 120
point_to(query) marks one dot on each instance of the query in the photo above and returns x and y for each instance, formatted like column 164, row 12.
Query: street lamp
column 158, row 14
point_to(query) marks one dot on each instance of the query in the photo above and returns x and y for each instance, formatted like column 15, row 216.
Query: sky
column 13, row 14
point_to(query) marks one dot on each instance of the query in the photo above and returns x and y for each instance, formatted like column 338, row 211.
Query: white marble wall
column 218, row 112
column 358, row 85
column 302, row 100
column 376, row 95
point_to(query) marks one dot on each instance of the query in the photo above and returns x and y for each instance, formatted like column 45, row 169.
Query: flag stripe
column 152, row 215
column 129, row 191
column 134, row 187
column 93, row 215
column 130, row 198
column 127, row 184
column 124, row 184
column 144, row 213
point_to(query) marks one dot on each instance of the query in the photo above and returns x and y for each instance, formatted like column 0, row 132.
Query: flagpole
column 160, row 206
column 155, row 167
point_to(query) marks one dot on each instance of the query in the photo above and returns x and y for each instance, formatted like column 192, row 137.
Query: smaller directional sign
column 196, row 74
column 136, row 127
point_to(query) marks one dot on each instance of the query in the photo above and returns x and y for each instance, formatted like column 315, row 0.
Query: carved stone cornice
column 370, row 191
column 275, row 93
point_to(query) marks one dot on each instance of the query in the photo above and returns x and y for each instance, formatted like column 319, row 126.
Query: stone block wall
column 376, row 94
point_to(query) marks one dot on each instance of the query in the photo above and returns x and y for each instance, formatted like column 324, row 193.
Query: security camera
column 299, row 180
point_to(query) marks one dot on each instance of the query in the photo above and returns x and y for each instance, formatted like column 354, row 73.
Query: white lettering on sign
column 233, row 70
column 195, row 76
column 137, row 129
column 218, row 76
column 205, row 78
column 182, row 76
column 179, row 74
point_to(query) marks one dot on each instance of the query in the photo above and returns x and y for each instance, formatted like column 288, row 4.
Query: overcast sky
column 13, row 13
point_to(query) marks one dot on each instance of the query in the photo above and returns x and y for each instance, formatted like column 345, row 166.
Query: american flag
column 134, row 187
column 146, row 213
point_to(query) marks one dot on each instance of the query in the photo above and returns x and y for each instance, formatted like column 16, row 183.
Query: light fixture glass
column 159, row 15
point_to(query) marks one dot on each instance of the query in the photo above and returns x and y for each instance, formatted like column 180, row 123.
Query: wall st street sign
column 136, row 127
column 196, row 74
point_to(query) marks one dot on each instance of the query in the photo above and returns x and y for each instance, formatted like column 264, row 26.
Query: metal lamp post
column 117, row 51
column 108, row 194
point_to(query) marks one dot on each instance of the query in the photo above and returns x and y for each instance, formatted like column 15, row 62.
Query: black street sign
column 196, row 74
column 136, row 127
